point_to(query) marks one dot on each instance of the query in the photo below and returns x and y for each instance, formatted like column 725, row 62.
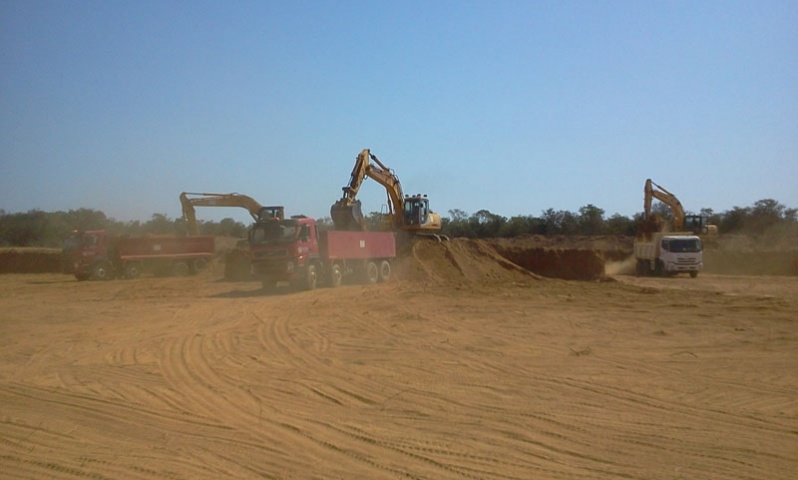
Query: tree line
column 764, row 216
column 37, row 228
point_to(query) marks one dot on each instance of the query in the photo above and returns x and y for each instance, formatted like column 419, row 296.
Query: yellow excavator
column 237, row 261
column 408, row 213
column 255, row 209
column 680, row 222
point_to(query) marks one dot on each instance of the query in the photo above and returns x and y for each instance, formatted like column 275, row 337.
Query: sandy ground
column 461, row 367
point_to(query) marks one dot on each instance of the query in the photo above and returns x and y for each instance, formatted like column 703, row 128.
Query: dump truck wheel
column 132, row 270
column 180, row 269
column 311, row 276
column 693, row 274
column 336, row 277
column 198, row 265
column 659, row 269
column 102, row 270
column 385, row 271
column 372, row 273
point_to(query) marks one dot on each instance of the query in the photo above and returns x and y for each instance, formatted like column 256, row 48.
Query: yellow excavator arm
column 255, row 209
column 652, row 190
column 681, row 221
column 406, row 212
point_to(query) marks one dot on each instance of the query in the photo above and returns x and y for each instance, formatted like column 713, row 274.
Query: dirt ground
column 464, row 366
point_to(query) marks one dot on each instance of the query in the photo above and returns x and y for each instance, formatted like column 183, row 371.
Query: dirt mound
column 482, row 261
column 456, row 261
column 30, row 260
column 565, row 263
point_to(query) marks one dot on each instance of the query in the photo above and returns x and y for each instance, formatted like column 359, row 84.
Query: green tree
column 765, row 214
column 591, row 220
column 456, row 225
column 518, row 225
column 551, row 221
column 485, row 224
column 160, row 224
column 620, row 225
column 733, row 221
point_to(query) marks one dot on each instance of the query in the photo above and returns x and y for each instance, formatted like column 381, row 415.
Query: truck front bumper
column 279, row 271
column 684, row 267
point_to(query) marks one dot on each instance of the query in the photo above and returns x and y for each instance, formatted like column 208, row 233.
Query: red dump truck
column 294, row 250
column 98, row 256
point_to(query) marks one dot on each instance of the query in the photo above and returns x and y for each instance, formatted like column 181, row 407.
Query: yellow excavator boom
column 190, row 200
column 410, row 213
column 652, row 190
column 681, row 221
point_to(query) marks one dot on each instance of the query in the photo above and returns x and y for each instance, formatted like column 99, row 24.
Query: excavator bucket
column 347, row 216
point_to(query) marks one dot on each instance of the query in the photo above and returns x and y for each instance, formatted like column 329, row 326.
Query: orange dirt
column 464, row 366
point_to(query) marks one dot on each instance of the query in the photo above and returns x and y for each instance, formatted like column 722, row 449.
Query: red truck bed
column 130, row 248
column 337, row 245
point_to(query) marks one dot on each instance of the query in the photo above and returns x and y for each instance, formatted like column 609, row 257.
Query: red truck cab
column 280, row 249
column 88, row 250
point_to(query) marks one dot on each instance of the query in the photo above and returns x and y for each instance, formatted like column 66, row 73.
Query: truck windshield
column 687, row 245
column 71, row 243
column 275, row 233
column 89, row 240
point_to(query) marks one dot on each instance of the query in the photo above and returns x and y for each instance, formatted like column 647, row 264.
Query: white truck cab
column 669, row 254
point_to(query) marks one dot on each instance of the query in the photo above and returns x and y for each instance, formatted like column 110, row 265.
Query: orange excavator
column 408, row 213
column 237, row 261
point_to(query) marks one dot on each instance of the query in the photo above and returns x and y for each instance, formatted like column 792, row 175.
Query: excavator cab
column 699, row 225
column 416, row 210
column 695, row 224
column 276, row 212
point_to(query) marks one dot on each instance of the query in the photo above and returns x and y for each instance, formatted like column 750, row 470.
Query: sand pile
column 456, row 261
column 479, row 261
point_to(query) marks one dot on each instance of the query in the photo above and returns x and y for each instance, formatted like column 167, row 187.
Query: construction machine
column 237, row 261
column 662, row 249
column 408, row 213
column 680, row 222
column 255, row 209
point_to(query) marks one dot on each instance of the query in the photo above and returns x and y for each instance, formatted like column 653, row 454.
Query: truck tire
column 180, row 269
column 102, row 270
column 311, row 277
column 372, row 273
column 132, row 270
column 336, row 277
column 659, row 269
column 385, row 271
column 198, row 265
column 693, row 274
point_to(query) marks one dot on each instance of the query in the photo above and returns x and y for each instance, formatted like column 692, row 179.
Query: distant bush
column 36, row 228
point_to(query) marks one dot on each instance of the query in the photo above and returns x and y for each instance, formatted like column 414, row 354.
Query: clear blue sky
column 509, row 106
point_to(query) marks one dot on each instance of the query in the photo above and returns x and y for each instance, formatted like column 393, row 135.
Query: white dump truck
column 668, row 254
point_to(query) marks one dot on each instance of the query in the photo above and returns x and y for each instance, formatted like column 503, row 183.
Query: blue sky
column 509, row 106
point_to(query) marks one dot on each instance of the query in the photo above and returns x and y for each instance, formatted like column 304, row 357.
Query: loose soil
column 465, row 365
